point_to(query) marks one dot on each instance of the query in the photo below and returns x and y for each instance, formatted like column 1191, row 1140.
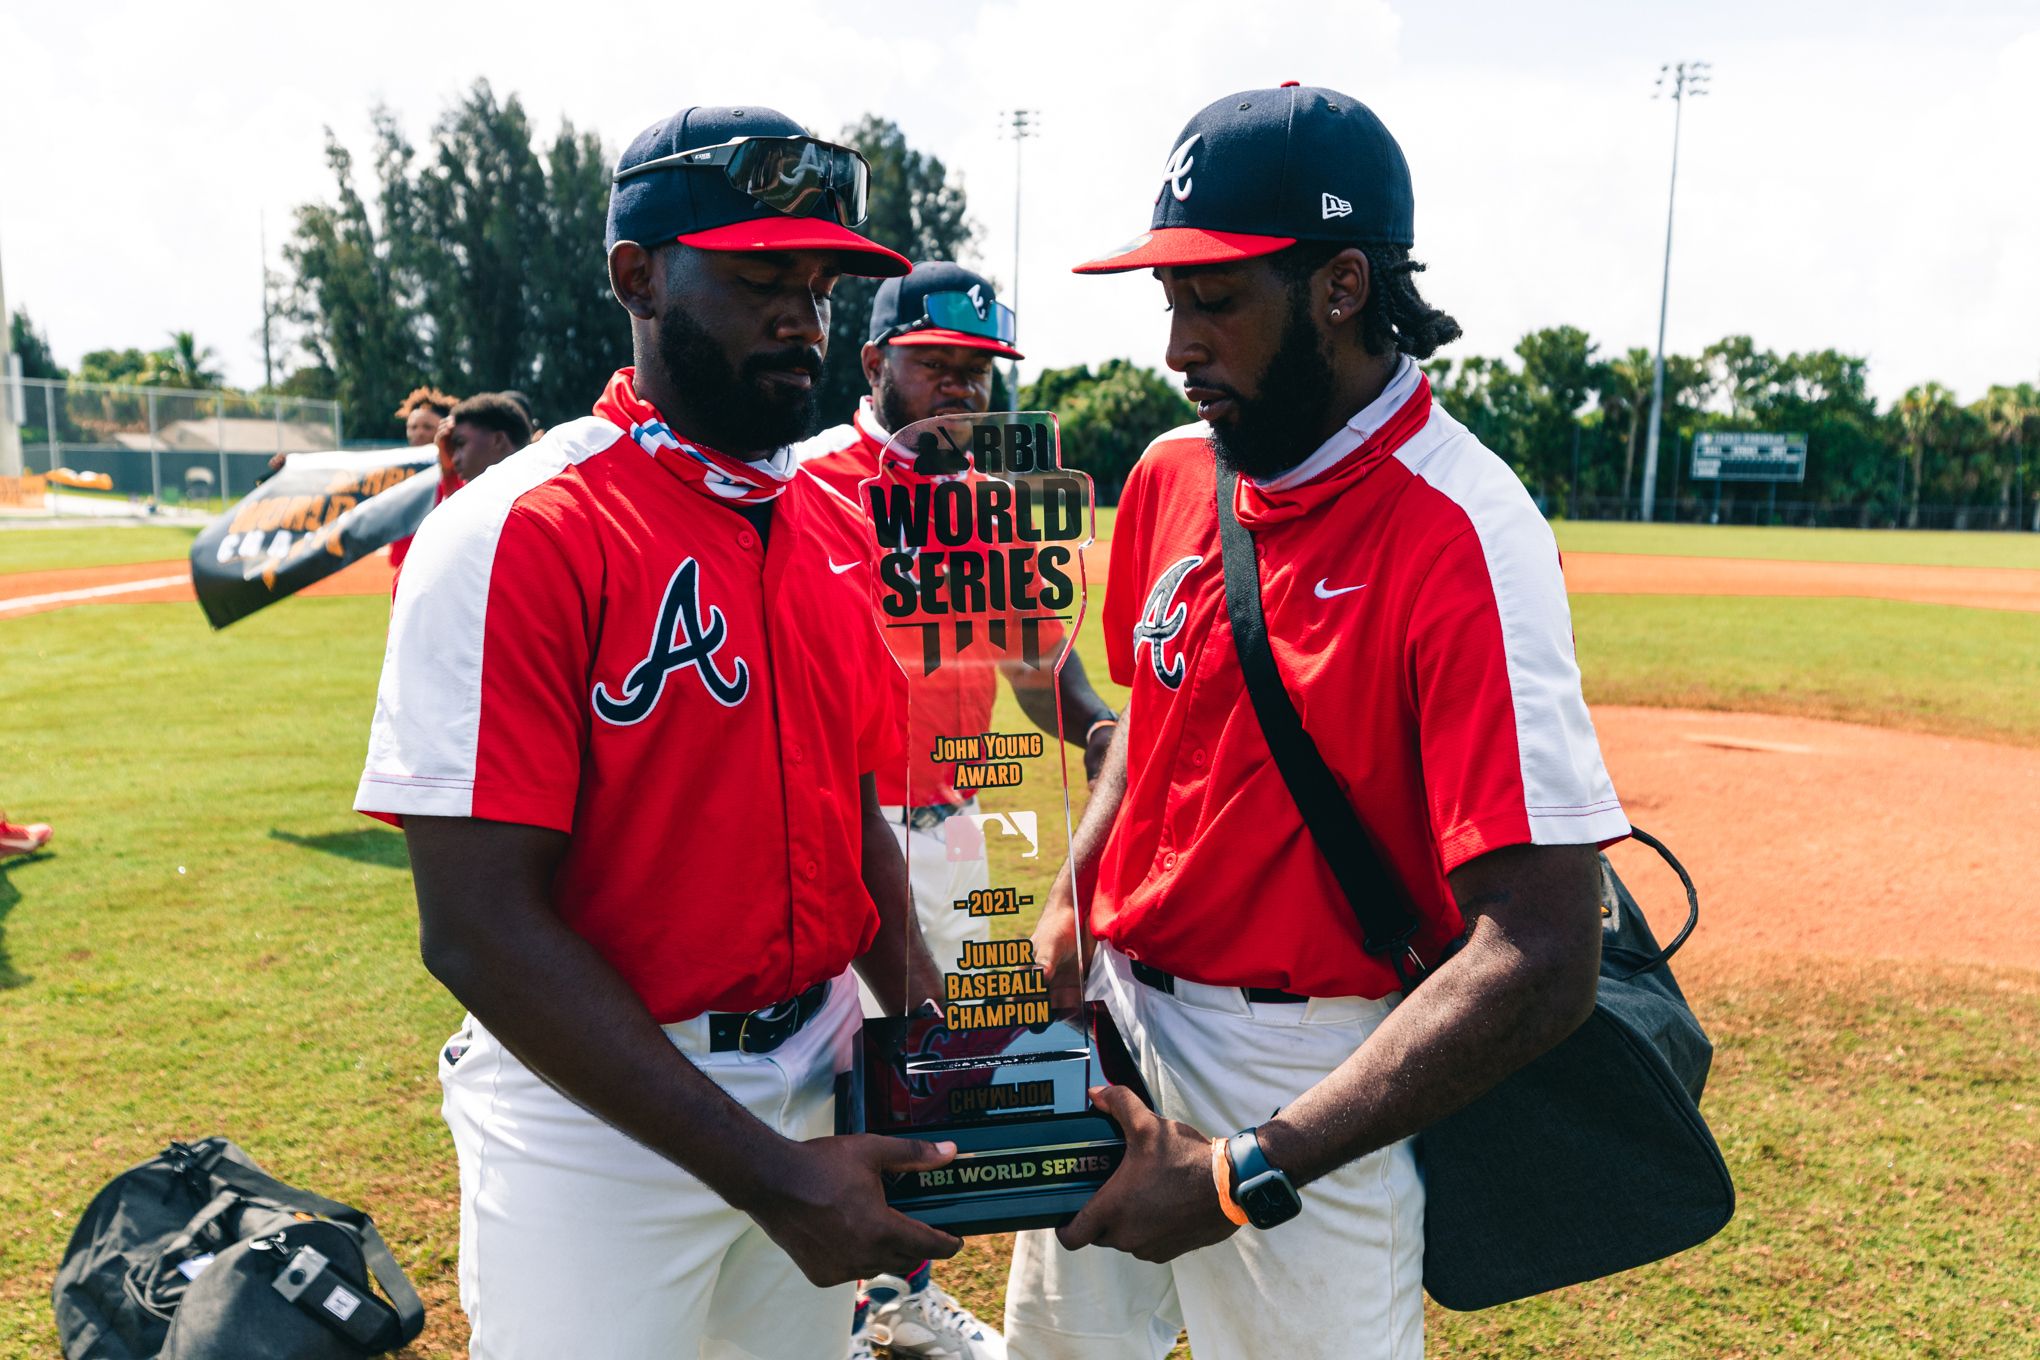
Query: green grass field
column 1929, row 668
column 216, row 944
column 51, row 549
column 1915, row 548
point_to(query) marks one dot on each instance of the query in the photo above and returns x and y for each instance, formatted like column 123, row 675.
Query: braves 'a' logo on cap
column 979, row 300
column 1334, row 206
column 680, row 612
column 1176, row 174
column 1162, row 619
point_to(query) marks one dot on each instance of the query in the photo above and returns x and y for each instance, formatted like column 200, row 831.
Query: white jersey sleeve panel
column 832, row 440
column 428, row 706
column 1568, row 796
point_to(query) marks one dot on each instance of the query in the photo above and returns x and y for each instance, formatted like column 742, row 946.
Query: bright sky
column 1861, row 176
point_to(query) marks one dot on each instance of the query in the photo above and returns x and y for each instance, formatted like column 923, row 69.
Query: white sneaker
column 866, row 1339
column 928, row 1324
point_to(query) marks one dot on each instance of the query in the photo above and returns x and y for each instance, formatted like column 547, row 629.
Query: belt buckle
column 776, row 1013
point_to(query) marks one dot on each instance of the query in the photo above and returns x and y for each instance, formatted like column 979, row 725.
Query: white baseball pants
column 1343, row 1279
column 576, row 1241
column 937, row 886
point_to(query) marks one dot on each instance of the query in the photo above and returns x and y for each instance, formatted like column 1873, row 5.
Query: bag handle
column 1377, row 899
column 1649, row 963
column 410, row 1308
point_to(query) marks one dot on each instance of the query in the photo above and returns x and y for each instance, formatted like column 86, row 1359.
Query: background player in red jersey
column 934, row 335
column 1417, row 617
column 917, row 369
column 628, row 716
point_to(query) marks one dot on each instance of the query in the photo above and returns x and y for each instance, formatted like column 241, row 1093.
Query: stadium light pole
column 1688, row 78
column 10, row 393
column 268, row 368
column 1019, row 124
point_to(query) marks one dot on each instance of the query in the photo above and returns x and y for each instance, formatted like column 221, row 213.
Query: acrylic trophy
column 981, row 590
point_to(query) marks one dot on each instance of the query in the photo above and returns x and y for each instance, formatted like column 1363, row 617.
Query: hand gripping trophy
column 978, row 529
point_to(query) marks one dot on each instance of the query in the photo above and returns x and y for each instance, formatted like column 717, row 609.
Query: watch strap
column 1221, row 1176
column 1243, row 1150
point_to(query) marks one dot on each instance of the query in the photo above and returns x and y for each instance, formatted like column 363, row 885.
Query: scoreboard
column 1748, row 456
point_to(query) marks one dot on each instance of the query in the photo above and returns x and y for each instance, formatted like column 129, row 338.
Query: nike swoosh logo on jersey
column 840, row 570
column 1324, row 594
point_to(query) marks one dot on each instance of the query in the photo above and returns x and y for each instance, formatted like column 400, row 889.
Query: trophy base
column 1030, row 1149
column 1032, row 1174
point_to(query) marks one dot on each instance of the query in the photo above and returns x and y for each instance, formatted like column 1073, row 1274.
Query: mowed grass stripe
column 103, row 546
column 1922, row 547
column 1922, row 667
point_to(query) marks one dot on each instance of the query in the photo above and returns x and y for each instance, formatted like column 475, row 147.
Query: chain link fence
column 173, row 445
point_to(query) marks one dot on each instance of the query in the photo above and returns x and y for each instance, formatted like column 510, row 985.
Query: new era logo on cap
column 1336, row 206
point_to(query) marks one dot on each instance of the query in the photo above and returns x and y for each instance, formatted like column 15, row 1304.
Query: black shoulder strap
column 410, row 1308
column 1386, row 923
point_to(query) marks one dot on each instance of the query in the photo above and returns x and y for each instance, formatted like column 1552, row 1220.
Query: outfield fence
column 166, row 443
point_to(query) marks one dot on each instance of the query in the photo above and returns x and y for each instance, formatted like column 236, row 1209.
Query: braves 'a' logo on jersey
column 679, row 613
column 1162, row 619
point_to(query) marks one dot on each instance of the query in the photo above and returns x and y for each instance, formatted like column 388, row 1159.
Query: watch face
column 1269, row 1199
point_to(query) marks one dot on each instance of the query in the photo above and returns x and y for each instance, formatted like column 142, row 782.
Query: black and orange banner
column 321, row 513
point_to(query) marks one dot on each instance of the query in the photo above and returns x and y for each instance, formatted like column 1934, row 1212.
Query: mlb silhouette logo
column 1334, row 206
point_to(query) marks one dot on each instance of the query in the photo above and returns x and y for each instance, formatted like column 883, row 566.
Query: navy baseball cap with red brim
column 701, row 208
column 901, row 303
column 1260, row 170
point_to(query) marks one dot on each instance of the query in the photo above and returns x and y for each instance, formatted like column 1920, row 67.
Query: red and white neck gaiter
column 718, row 476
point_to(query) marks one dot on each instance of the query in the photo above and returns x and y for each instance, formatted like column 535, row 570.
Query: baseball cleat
column 21, row 840
column 927, row 1324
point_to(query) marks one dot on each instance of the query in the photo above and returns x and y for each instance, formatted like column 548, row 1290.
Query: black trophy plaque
column 980, row 533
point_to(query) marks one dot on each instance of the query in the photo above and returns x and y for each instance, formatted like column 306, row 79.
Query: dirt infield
column 33, row 592
column 1829, row 838
column 1637, row 574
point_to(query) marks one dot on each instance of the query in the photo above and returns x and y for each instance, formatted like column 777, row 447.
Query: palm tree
column 1628, row 393
column 2012, row 416
column 184, row 364
column 1923, row 414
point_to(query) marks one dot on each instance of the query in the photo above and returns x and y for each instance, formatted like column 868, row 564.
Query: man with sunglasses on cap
column 1413, row 610
column 934, row 336
column 631, row 702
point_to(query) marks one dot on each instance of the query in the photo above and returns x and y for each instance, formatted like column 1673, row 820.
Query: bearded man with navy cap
column 629, row 714
column 1411, row 607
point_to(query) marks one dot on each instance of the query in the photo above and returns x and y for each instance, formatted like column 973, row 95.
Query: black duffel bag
column 199, row 1254
column 1590, row 1159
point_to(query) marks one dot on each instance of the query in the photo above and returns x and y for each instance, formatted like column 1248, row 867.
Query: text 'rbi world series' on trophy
column 980, row 532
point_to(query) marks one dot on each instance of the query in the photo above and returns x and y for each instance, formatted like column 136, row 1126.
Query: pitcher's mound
column 1830, row 838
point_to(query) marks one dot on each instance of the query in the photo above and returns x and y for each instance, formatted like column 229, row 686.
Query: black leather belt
column 762, row 1031
column 1163, row 982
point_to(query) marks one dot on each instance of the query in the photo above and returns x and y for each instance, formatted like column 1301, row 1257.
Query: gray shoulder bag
column 1592, row 1158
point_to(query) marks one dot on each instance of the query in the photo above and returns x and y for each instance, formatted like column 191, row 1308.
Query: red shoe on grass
column 21, row 840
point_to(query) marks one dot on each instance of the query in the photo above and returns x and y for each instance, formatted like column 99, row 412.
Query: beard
column 735, row 407
column 1274, row 431
column 892, row 407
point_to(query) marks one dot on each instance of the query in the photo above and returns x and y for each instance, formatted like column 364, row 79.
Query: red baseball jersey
column 957, row 697
column 583, row 641
column 1418, row 617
